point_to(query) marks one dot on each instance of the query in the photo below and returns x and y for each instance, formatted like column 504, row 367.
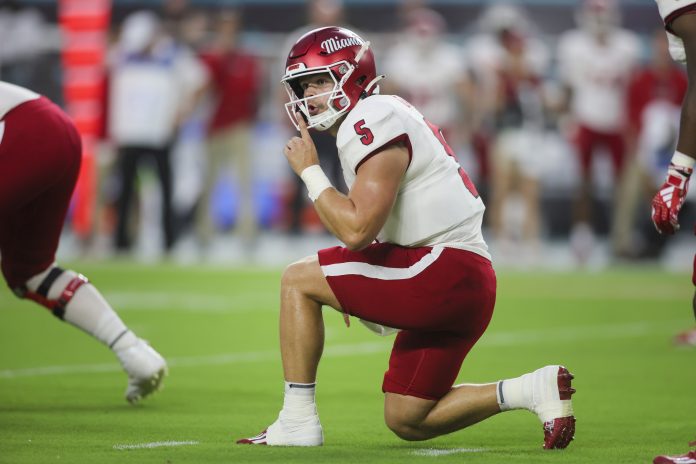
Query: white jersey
column 147, row 94
column 598, row 75
column 12, row 96
column 670, row 10
column 433, row 205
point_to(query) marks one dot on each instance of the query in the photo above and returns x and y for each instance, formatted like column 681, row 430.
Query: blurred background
column 564, row 113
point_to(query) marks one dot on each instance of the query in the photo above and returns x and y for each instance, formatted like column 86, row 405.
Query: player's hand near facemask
column 300, row 151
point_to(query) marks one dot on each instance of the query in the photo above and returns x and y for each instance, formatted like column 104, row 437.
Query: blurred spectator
column 484, row 54
column 236, row 83
column 426, row 70
column 173, row 16
column 195, row 29
column 654, row 103
column 507, row 61
column 153, row 85
column 320, row 13
column 512, row 64
column 596, row 62
column 24, row 38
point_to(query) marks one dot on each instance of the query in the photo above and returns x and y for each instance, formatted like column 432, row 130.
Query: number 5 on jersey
column 366, row 136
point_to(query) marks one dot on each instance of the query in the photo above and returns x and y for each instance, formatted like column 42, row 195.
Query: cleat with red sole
column 559, row 433
column 552, row 403
column 259, row 439
column 688, row 458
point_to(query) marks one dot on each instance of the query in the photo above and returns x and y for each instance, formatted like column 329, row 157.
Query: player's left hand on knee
column 670, row 198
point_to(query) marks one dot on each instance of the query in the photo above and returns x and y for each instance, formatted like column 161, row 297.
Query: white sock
column 515, row 393
column 88, row 310
column 299, row 401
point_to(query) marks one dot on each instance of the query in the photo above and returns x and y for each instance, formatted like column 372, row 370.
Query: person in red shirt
column 235, row 81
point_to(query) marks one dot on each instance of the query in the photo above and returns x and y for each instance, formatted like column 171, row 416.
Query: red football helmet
column 346, row 58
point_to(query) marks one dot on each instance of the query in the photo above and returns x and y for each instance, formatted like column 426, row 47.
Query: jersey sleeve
column 369, row 128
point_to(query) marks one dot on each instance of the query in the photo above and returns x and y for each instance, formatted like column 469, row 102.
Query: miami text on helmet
column 335, row 44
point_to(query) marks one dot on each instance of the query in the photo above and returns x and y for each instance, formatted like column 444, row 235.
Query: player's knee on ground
column 404, row 426
column 53, row 288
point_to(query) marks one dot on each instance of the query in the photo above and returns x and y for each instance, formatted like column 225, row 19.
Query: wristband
column 682, row 160
column 315, row 180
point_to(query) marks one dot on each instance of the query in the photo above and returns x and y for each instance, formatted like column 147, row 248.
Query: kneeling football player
column 414, row 258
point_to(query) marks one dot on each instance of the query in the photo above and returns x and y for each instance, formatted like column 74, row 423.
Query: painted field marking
column 444, row 452
column 528, row 337
column 155, row 444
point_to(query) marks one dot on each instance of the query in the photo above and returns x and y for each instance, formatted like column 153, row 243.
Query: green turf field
column 61, row 392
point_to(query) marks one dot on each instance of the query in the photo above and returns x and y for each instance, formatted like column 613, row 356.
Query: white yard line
column 528, row 337
column 444, row 452
column 155, row 444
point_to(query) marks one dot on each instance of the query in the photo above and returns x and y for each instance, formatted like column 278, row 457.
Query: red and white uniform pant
column 40, row 155
column 442, row 299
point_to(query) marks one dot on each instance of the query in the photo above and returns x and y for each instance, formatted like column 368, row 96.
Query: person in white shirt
column 154, row 83
column 510, row 62
column 595, row 63
column 414, row 258
column 427, row 70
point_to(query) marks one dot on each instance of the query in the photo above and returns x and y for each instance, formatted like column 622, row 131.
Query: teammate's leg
column 28, row 243
column 71, row 298
column 35, row 200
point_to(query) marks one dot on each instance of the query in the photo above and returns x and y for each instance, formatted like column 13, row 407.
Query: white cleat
column 307, row 432
column 145, row 368
column 551, row 402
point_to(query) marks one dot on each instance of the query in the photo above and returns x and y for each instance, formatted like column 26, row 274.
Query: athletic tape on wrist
column 315, row 180
column 681, row 159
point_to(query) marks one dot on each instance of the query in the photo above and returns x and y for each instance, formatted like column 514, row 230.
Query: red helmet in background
column 345, row 57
